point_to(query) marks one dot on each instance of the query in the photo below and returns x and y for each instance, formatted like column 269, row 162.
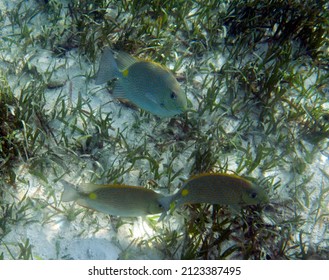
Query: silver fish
column 118, row 200
column 147, row 84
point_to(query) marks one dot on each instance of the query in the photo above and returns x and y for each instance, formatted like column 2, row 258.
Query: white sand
column 93, row 235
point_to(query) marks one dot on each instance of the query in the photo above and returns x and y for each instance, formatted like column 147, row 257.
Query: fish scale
column 216, row 188
column 119, row 200
column 147, row 84
column 220, row 188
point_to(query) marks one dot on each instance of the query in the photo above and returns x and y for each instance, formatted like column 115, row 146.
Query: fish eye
column 253, row 195
column 173, row 95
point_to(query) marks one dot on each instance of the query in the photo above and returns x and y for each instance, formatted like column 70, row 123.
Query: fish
column 114, row 199
column 217, row 188
column 147, row 84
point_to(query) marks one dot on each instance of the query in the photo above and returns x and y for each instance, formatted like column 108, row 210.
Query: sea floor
column 75, row 130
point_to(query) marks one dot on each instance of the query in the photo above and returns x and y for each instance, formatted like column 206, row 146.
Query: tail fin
column 108, row 68
column 166, row 203
column 70, row 193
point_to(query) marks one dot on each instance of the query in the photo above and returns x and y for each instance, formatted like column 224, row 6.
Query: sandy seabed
column 91, row 235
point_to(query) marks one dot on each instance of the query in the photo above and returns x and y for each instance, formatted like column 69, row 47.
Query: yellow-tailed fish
column 118, row 200
column 217, row 188
column 147, row 84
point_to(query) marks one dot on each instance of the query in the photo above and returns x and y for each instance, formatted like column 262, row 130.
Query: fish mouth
column 183, row 107
column 169, row 112
column 179, row 108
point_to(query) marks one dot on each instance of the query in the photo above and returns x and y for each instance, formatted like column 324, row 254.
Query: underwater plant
column 256, row 78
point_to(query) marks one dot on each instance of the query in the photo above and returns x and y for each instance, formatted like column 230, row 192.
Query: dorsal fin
column 90, row 187
column 228, row 175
